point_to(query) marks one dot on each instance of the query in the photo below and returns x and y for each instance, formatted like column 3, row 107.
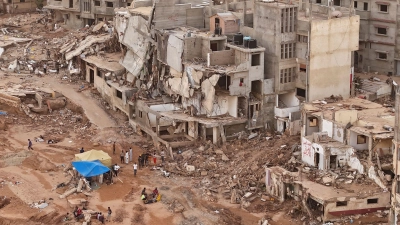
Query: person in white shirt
column 116, row 168
column 134, row 169
column 130, row 154
column 162, row 156
column 127, row 157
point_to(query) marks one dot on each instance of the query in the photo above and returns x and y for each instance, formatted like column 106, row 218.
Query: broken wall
column 225, row 57
column 170, row 15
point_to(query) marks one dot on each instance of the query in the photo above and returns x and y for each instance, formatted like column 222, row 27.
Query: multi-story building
column 395, row 195
column 378, row 50
column 20, row 6
column 78, row 13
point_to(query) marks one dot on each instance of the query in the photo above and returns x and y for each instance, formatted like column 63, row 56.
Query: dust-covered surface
column 30, row 179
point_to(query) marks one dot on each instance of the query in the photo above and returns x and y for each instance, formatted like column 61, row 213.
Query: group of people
column 78, row 214
column 125, row 156
column 153, row 197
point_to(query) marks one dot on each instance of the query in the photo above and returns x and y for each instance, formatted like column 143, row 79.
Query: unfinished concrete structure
column 18, row 6
column 78, row 13
column 324, row 200
column 395, row 194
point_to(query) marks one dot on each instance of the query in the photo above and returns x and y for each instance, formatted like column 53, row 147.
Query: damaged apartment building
column 345, row 163
column 194, row 70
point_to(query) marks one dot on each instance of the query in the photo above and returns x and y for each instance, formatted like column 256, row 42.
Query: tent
column 90, row 168
column 94, row 155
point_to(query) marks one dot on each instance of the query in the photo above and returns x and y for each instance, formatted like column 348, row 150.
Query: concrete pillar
column 193, row 129
column 370, row 148
column 203, row 132
column 158, row 125
column 215, row 134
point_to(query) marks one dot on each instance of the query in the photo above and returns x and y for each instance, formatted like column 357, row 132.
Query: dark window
column 303, row 68
column 96, row 3
column 361, row 139
column 140, row 114
column 255, row 60
column 110, row 4
column 9, row 1
column 383, row 8
column 301, row 92
column 355, row 4
column 372, row 201
column 119, row 94
column 344, row 203
column 365, row 6
column 78, row 17
column 382, row 55
column 21, row 0
column 381, row 30
column 98, row 73
column 336, row 2
column 318, row 1
column 313, row 121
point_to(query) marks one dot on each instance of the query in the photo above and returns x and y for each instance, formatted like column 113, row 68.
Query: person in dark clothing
column 82, row 150
column 122, row 155
column 30, row 144
column 114, row 148
column 140, row 161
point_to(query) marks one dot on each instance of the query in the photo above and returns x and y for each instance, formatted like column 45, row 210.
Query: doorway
column 333, row 161
column 216, row 22
column 316, row 159
column 91, row 74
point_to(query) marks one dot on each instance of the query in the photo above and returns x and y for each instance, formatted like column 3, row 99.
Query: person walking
column 114, row 148
column 44, row 68
column 127, row 157
column 130, row 154
column 162, row 156
column 134, row 169
column 30, row 144
column 122, row 156
column 154, row 158
column 109, row 211
column 140, row 161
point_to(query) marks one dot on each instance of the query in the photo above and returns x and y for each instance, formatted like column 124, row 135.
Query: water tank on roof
column 245, row 43
column 238, row 39
column 252, row 43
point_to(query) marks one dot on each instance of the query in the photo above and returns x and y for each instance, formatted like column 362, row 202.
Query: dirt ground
column 31, row 176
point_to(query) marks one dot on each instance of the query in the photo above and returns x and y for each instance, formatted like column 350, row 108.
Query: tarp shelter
column 90, row 168
column 94, row 155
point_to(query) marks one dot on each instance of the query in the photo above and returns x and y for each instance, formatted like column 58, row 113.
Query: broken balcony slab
column 7, row 40
column 109, row 62
column 89, row 41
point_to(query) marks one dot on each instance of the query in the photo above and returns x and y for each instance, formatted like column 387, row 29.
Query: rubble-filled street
column 143, row 117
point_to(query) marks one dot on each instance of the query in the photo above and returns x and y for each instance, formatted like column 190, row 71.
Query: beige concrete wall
column 332, row 42
column 226, row 57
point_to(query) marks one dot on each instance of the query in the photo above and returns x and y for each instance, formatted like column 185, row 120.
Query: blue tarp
column 90, row 168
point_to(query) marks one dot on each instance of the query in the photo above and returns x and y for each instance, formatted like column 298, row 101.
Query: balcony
column 284, row 112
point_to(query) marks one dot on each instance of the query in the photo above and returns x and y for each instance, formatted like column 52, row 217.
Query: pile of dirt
column 4, row 201
column 120, row 215
column 40, row 163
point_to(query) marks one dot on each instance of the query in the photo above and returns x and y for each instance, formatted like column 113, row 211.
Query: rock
column 216, row 175
column 225, row 158
column 219, row 152
column 187, row 154
column 248, row 194
column 177, row 207
column 190, row 168
column 326, row 180
column 201, row 148
column 254, row 167
column 203, row 173
column 252, row 135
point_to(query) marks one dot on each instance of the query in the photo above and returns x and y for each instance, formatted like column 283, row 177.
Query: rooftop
column 109, row 62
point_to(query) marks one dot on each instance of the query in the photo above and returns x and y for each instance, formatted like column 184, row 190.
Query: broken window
column 288, row 51
column 381, row 30
column 78, row 17
column 372, row 201
column 71, row 3
column 224, row 82
column 110, row 4
column 303, row 68
column 301, row 92
column 302, row 38
column 341, row 203
column 365, row 6
column 361, row 139
column 318, row 1
column 140, row 114
column 255, row 59
column 96, row 3
column 98, row 73
column 241, row 80
column 336, row 2
column 119, row 94
column 21, row 0
column 287, row 75
column 9, row 1
column 383, row 8
column 288, row 20
column 381, row 55
column 313, row 121
column 355, row 4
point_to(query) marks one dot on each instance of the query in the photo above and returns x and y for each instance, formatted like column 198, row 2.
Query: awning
column 90, row 168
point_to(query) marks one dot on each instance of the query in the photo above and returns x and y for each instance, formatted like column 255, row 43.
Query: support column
column 193, row 129
column 370, row 148
column 215, row 135
column 222, row 131
column 203, row 132
column 158, row 125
